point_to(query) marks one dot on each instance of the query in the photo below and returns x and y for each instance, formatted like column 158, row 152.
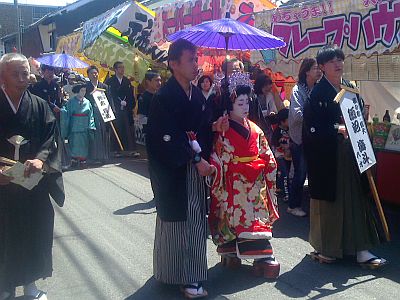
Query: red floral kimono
column 243, row 205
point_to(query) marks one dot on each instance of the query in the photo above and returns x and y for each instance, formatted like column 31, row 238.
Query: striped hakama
column 179, row 255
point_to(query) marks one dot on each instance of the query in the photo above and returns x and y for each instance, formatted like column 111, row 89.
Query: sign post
column 361, row 143
column 106, row 111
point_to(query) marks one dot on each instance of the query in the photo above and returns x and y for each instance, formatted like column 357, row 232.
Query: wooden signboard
column 103, row 105
column 106, row 111
column 361, row 143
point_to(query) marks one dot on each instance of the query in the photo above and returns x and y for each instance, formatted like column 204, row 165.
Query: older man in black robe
column 26, row 216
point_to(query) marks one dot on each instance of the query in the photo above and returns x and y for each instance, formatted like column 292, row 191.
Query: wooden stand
column 378, row 204
column 116, row 135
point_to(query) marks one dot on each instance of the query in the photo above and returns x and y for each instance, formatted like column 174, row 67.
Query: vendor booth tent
column 179, row 15
column 367, row 31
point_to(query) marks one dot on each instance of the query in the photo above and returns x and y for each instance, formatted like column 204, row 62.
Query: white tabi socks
column 365, row 255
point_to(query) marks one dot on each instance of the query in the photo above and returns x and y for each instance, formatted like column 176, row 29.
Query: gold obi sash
column 244, row 159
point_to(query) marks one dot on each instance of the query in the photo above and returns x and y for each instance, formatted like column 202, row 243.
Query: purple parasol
column 64, row 61
column 228, row 34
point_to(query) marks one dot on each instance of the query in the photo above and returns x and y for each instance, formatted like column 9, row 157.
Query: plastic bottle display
column 375, row 119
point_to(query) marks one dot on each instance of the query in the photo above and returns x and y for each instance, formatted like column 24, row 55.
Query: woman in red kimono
column 243, row 205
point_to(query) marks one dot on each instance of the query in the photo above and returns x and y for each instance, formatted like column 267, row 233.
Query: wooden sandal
column 185, row 290
column 373, row 263
column 322, row 259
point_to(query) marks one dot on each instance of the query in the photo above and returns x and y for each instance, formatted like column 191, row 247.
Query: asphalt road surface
column 103, row 242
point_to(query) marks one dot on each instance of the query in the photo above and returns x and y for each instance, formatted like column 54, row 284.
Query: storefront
column 368, row 32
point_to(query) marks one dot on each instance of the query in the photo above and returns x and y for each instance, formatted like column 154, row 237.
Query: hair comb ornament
column 239, row 79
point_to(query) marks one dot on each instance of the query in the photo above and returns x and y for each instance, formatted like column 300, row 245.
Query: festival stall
column 368, row 32
column 183, row 14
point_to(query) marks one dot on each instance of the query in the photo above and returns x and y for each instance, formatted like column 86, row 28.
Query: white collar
column 15, row 109
column 190, row 92
column 119, row 79
column 95, row 86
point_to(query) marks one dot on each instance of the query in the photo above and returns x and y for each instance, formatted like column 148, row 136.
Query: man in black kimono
column 153, row 84
column 48, row 89
column 99, row 150
column 26, row 216
column 124, row 103
column 341, row 216
column 178, row 129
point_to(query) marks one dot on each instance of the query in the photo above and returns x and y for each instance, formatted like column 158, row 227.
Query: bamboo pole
column 378, row 204
column 116, row 135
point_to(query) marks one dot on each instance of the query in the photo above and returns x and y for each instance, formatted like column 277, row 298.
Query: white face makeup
column 240, row 107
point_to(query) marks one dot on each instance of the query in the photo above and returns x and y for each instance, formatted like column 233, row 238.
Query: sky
column 42, row 2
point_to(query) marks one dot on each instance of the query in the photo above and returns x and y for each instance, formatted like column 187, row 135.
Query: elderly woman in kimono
column 77, row 124
column 243, row 205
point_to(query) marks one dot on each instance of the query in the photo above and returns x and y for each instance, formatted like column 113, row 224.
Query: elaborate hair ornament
column 239, row 79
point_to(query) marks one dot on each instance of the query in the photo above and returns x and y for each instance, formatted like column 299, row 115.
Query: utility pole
column 18, row 27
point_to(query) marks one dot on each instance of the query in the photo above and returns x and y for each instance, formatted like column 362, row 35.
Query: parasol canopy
column 64, row 61
column 228, row 34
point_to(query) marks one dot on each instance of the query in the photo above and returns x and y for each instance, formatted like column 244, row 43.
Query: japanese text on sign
column 357, row 131
column 103, row 105
column 357, row 26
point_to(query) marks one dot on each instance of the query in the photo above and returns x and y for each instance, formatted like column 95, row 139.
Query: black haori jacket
column 37, row 124
column 320, row 139
column 171, row 115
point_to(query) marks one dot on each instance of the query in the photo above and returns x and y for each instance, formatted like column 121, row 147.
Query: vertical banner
column 357, row 129
column 103, row 105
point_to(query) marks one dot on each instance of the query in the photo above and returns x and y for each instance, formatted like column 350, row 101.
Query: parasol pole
column 226, row 55
column 225, row 95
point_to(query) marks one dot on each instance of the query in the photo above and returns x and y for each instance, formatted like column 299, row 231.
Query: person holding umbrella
column 178, row 129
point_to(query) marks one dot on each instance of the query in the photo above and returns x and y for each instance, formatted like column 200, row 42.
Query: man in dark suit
column 124, row 103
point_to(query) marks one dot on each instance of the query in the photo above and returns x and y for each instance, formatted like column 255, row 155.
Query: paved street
column 103, row 243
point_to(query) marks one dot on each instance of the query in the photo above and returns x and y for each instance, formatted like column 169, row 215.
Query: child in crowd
column 280, row 143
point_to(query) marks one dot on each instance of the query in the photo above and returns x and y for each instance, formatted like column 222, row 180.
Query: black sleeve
column 50, row 151
column 131, row 96
column 109, row 97
column 166, row 143
column 141, row 104
column 58, row 99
